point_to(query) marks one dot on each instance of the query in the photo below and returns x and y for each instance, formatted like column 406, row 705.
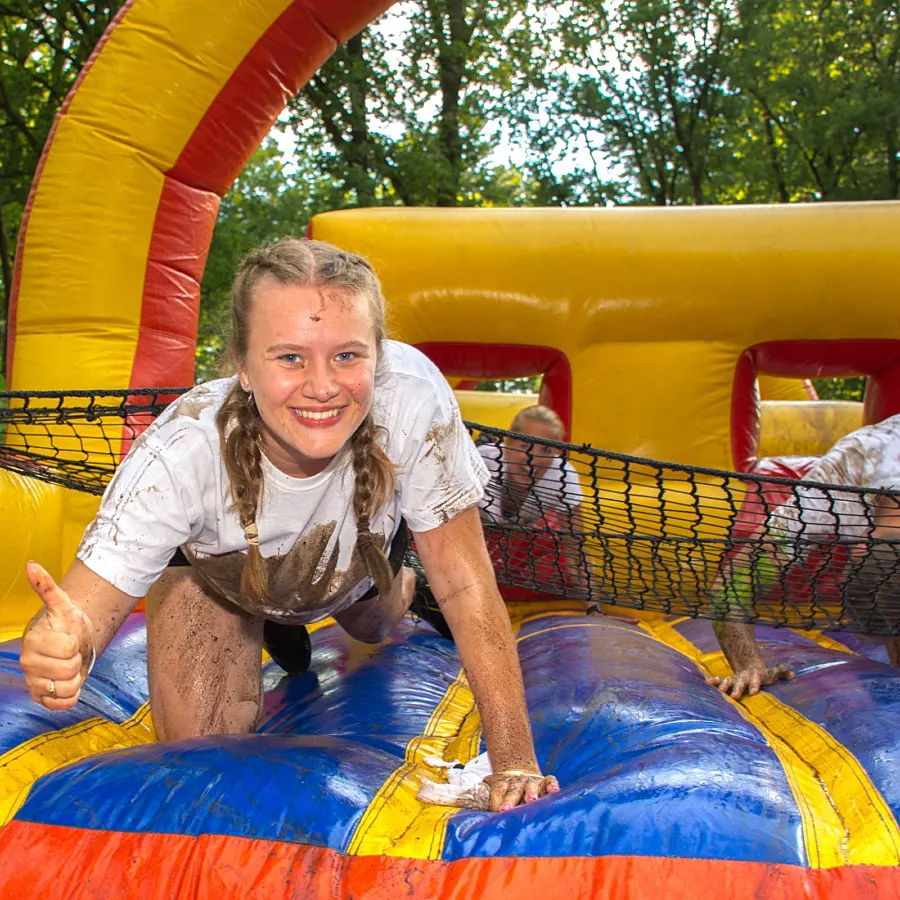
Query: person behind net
column 283, row 486
column 535, row 486
column 811, row 519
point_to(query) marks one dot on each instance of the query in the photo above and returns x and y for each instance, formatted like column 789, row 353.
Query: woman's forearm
column 577, row 569
column 487, row 649
column 578, row 566
column 744, row 579
column 742, row 582
column 106, row 606
column 462, row 579
column 738, row 643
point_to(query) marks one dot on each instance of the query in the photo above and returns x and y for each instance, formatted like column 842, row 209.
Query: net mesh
column 618, row 529
column 75, row 438
column 573, row 521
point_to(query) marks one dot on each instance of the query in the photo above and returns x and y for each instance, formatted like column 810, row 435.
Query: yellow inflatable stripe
column 524, row 611
column 589, row 624
column 430, row 823
column 315, row 626
column 845, row 819
column 823, row 640
column 395, row 822
column 23, row 765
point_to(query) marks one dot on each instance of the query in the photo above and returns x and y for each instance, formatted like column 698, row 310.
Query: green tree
column 642, row 85
column 852, row 388
column 531, row 384
column 723, row 101
column 409, row 112
column 819, row 85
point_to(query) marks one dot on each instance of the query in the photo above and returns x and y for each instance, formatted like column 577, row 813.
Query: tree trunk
column 777, row 170
column 7, row 264
column 451, row 66
column 892, row 166
column 358, row 147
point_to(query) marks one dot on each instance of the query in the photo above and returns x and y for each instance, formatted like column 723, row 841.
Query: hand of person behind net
column 57, row 645
column 751, row 680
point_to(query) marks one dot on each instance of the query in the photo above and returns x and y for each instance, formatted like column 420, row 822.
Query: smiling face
column 310, row 362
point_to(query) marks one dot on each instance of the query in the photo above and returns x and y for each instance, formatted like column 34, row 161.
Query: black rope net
column 75, row 438
column 611, row 528
column 573, row 521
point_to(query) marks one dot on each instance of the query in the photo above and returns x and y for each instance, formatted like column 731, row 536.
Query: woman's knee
column 371, row 621
column 366, row 622
column 228, row 713
column 204, row 660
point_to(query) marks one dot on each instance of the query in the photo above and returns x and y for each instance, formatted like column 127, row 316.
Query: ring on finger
column 52, row 688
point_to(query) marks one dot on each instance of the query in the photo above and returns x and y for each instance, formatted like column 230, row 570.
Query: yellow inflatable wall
column 650, row 317
column 652, row 308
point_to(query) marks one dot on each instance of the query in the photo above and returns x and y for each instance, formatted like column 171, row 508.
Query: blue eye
column 290, row 358
column 346, row 356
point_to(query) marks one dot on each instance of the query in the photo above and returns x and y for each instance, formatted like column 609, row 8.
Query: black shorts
column 399, row 546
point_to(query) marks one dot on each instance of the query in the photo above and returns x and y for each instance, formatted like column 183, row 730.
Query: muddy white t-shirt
column 556, row 490
column 866, row 458
column 172, row 491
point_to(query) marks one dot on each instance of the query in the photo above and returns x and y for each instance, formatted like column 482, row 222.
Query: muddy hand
column 512, row 788
column 751, row 680
column 57, row 645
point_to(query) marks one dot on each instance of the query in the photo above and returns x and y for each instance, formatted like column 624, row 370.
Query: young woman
column 865, row 571
column 284, row 487
column 534, row 486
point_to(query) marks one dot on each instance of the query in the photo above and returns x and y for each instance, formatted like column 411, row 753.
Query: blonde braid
column 374, row 485
column 242, row 454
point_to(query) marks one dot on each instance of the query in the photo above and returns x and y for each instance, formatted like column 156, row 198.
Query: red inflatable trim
column 53, row 861
column 494, row 361
column 879, row 359
column 281, row 61
column 185, row 219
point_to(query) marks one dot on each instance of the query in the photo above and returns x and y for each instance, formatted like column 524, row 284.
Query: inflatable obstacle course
column 651, row 330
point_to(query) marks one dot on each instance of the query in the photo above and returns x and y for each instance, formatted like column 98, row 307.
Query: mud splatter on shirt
column 867, row 458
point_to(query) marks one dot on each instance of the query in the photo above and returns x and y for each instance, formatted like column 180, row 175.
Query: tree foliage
column 819, row 85
column 724, row 101
column 853, row 388
column 409, row 112
column 642, row 85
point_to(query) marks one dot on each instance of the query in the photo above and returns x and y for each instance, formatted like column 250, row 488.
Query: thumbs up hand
column 57, row 645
